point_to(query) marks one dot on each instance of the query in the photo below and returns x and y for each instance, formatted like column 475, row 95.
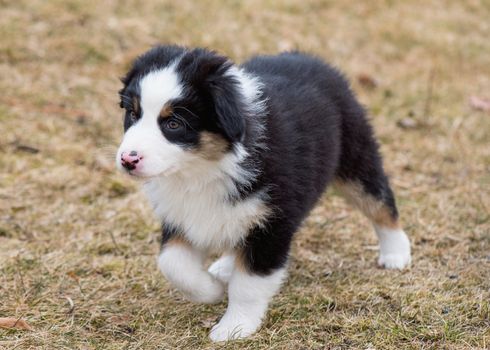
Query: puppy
column 233, row 158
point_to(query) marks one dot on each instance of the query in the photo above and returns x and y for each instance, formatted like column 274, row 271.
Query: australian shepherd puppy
column 233, row 157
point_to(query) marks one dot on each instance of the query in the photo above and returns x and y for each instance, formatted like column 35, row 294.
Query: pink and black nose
column 129, row 160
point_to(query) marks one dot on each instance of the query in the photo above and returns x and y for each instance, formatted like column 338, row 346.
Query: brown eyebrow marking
column 136, row 104
column 166, row 111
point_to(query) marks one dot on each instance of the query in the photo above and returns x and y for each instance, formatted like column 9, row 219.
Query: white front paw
column 233, row 328
column 222, row 268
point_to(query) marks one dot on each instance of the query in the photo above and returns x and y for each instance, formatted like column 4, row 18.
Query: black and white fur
column 233, row 158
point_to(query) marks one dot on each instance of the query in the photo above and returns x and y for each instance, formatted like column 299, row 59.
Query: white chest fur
column 202, row 210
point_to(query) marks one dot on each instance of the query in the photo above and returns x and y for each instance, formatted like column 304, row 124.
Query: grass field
column 78, row 242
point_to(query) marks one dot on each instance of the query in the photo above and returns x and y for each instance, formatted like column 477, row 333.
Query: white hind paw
column 394, row 248
column 394, row 261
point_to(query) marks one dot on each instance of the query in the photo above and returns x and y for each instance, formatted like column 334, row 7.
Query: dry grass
column 77, row 241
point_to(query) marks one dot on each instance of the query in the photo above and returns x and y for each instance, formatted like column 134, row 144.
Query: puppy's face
column 182, row 109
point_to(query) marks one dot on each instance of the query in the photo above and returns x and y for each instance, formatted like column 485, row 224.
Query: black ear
column 126, row 80
column 229, row 106
column 208, row 72
column 198, row 64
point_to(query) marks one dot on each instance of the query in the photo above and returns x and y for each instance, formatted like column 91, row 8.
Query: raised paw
column 222, row 268
column 210, row 291
column 183, row 268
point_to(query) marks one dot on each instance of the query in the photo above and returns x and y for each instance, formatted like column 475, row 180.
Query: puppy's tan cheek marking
column 374, row 209
column 211, row 146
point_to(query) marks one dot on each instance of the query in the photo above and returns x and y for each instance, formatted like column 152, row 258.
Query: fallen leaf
column 14, row 323
column 480, row 103
column 72, row 275
column 367, row 81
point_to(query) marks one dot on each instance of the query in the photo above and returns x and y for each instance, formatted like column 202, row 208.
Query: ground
column 78, row 241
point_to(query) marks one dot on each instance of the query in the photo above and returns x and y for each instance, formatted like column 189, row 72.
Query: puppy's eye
column 173, row 124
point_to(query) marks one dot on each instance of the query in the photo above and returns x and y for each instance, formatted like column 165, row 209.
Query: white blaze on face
column 159, row 156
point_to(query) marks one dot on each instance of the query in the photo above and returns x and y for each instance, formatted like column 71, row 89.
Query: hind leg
column 361, row 179
column 380, row 208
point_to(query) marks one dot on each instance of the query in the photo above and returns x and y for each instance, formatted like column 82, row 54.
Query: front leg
column 258, row 273
column 183, row 266
column 249, row 295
